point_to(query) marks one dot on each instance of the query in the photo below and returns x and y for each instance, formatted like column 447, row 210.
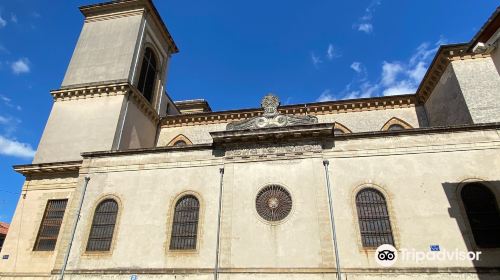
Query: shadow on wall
column 474, row 205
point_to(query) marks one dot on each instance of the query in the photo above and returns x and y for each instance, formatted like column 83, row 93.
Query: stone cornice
column 91, row 91
column 317, row 108
column 421, row 130
column 54, row 167
column 147, row 150
column 444, row 56
column 98, row 91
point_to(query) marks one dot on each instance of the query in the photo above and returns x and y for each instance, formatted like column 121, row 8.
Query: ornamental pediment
column 271, row 117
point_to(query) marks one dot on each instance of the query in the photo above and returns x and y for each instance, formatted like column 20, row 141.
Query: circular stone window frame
column 285, row 219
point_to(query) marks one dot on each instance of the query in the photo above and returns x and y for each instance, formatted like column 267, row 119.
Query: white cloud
column 365, row 24
column 326, row 95
column 14, row 148
column 418, row 72
column 365, row 27
column 5, row 99
column 4, row 120
column 332, row 52
column 404, row 78
column 352, row 94
column 316, row 60
column 8, row 102
column 3, row 22
column 390, row 71
column 396, row 77
column 20, row 66
column 401, row 87
column 13, row 18
column 357, row 66
column 8, row 125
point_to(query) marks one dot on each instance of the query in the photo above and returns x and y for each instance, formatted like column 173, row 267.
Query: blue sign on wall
column 133, row 277
column 435, row 248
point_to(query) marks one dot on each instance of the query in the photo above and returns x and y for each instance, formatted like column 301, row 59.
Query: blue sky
column 232, row 53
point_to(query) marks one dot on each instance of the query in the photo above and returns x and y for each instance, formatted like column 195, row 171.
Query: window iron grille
column 103, row 226
column 51, row 224
column 185, row 224
column 373, row 216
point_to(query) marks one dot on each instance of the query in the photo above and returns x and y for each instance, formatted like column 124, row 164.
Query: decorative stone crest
column 271, row 117
column 270, row 103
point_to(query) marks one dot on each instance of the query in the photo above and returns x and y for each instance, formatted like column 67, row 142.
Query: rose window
column 273, row 203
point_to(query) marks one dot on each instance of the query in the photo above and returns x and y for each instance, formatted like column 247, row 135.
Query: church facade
column 128, row 184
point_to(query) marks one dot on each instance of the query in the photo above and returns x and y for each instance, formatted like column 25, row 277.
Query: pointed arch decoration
column 339, row 129
column 395, row 124
column 180, row 140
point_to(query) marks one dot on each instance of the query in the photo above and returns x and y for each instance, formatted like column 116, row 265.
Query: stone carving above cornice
column 271, row 117
column 259, row 150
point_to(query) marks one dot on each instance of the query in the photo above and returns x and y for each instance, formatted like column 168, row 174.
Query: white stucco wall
column 420, row 176
column 104, row 51
column 79, row 125
column 26, row 222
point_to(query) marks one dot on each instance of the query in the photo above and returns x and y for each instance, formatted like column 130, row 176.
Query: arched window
column 373, row 216
column 340, row 129
column 395, row 124
column 482, row 211
column 148, row 74
column 103, row 226
column 180, row 143
column 185, row 224
column 395, row 127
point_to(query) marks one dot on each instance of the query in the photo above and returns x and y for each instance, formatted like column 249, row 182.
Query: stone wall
column 446, row 105
column 104, row 52
column 22, row 259
column 419, row 175
column 480, row 84
column 74, row 126
column 361, row 121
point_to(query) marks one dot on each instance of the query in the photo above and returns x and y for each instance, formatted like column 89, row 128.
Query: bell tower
column 113, row 93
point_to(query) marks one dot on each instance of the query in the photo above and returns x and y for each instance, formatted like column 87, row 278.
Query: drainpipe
column 122, row 126
column 216, row 268
column 332, row 219
column 63, row 269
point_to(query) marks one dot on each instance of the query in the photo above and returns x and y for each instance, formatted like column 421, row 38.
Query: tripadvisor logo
column 386, row 255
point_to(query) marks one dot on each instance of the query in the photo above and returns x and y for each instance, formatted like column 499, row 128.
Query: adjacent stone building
column 127, row 184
